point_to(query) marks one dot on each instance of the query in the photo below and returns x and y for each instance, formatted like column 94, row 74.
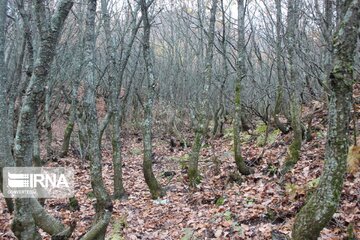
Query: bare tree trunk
column 294, row 149
column 74, row 86
column 201, row 126
column 280, row 70
column 117, row 115
column 6, row 158
column 219, row 112
column 24, row 225
column 103, row 206
column 240, row 75
column 71, row 122
column 154, row 187
column 318, row 211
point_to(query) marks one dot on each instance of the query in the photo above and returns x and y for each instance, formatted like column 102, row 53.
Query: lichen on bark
column 320, row 208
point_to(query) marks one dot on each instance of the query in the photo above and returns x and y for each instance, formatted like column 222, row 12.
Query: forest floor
column 220, row 207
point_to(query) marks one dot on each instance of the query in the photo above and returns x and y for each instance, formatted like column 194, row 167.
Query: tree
column 220, row 111
column 295, row 112
column 240, row 76
column 5, row 146
column 320, row 208
column 27, row 218
column 279, row 68
column 103, row 205
column 116, row 108
column 119, row 190
column 201, row 126
column 154, row 186
column 79, row 58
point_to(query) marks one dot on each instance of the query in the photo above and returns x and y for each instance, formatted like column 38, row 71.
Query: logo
column 19, row 182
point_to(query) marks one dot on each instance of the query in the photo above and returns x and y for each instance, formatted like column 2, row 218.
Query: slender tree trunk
column 71, row 122
column 75, row 87
column 119, row 190
column 280, row 71
column 115, row 101
column 319, row 210
column 201, row 126
column 154, row 187
column 240, row 75
column 219, row 118
column 326, row 26
column 103, row 206
column 294, row 149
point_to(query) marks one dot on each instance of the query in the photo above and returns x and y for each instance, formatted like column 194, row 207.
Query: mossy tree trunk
column 103, row 204
column 6, row 158
column 116, row 82
column 201, row 123
column 119, row 190
column 73, row 110
column 293, row 154
column 240, row 75
column 319, row 210
column 193, row 172
column 25, row 219
column 154, row 186
column 280, row 70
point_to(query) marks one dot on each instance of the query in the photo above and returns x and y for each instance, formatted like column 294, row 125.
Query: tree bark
column 319, row 210
column 219, row 112
column 154, row 187
column 24, row 225
column 240, row 75
column 116, row 82
column 6, row 158
column 74, row 87
column 293, row 154
column 280, row 70
column 103, row 205
column 201, row 126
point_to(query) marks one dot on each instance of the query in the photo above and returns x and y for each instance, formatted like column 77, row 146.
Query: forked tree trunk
column 24, row 223
column 116, row 80
column 318, row 211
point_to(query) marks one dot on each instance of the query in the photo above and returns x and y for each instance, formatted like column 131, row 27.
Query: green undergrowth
column 260, row 131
